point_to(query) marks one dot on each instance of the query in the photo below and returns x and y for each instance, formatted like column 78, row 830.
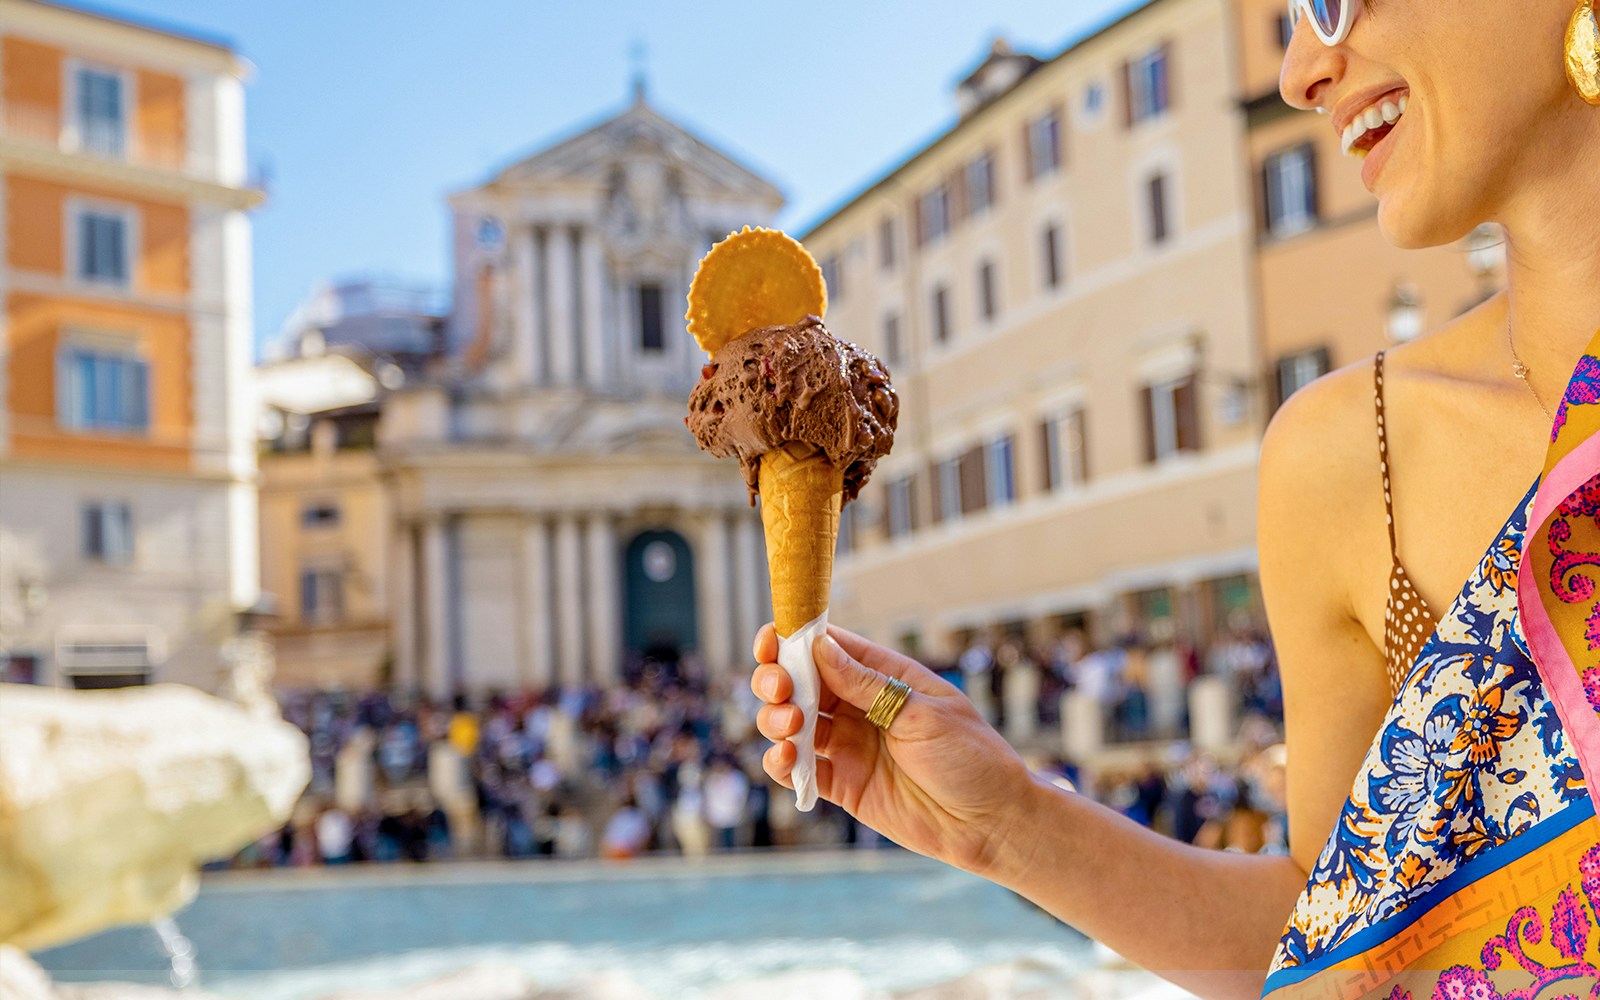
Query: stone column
column 711, row 580
column 524, row 305
column 592, row 267
column 561, row 312
column 749, row 553
column 605, row 618
column 568, row 584
column 403, row 606
column 436, row 616
column 538, row 627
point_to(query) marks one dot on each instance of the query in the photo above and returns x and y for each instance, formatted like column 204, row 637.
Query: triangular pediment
column 640, row 132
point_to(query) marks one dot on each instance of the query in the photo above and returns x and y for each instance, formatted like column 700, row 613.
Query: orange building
column 127, row 468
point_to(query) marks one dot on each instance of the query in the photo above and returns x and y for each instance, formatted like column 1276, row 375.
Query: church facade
column 553, row 519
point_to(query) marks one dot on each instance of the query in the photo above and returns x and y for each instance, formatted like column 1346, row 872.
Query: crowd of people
column 668, row 759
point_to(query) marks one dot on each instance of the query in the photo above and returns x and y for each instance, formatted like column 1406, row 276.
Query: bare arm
column 1206, row 920
column 943, row 783
column 1193, row 914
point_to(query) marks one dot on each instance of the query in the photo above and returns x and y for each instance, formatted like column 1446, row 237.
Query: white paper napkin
column 794, row 656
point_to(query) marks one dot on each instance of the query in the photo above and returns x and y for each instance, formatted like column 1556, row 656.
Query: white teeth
column 1386, row 112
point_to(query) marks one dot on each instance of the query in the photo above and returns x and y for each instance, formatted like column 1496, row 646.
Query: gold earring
column 1583, row 52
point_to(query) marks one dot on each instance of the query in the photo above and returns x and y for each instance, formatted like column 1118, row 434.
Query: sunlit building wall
column 127, row 494
column 1062, row 285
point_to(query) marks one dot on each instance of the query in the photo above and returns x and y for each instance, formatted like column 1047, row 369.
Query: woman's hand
column 939, row 780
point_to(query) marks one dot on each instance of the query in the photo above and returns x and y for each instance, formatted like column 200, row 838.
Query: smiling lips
column 1371, row 124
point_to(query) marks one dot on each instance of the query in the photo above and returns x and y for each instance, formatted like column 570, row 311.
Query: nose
column 1310, row 69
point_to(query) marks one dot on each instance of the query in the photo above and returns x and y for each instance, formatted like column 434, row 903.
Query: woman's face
column 1489, row 112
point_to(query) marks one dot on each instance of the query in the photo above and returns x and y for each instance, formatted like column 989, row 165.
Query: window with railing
column 108, row 533
column 102, row 124
column 1044, row 144
column 1000, row 480
column 104, row 249
column 103, row 388
column 900, row 522
column 1290, row 181
column 933, row 215
column 321, row 595
column 1145, row 85
column 980, row 184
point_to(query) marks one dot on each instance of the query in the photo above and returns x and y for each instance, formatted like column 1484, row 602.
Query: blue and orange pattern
column 1466, row 861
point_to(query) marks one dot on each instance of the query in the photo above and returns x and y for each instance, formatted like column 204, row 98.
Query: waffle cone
column 801, row 492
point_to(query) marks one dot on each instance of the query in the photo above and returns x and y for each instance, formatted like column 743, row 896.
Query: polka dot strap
column 1383, row 455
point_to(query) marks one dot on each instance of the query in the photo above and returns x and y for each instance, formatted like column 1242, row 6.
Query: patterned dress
column 1465, row 864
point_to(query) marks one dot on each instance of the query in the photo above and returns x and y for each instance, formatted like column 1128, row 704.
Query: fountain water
column 179, row 951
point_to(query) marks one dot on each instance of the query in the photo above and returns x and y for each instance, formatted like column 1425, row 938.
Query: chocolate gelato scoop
column 795, row 383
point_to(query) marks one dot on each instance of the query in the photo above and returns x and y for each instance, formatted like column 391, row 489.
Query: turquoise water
column 672, row 926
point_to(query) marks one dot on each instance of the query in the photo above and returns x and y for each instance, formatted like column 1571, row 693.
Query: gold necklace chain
column 1520, row 370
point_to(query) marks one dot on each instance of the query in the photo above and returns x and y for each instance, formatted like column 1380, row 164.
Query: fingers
column 855, row 684
column 766, row 644
column 771, row 683
column 779, row 760
column 882, row 659
column 779, row 722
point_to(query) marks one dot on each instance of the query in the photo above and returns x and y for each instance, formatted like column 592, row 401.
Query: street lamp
column 1486, row 254
column 1486, row 250
column 1405, row 312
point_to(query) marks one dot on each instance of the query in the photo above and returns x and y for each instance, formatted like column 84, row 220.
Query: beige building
column 326, row 513
column 1315, row 220
column 1063, row 288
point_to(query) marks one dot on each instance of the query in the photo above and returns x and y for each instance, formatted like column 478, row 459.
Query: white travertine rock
column 111, row 800
column 21, row 978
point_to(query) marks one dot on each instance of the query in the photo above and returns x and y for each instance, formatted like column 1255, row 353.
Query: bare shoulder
column 1319, row 456
column 1320, row 534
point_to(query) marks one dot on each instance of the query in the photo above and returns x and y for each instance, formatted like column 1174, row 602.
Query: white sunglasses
column 1330, row 19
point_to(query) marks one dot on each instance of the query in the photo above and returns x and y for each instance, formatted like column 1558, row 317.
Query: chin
column 1410, row 226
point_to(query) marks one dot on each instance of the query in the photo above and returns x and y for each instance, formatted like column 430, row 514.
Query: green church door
column 659, row 574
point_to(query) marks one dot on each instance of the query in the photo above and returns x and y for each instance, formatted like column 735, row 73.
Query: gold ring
column 890, row 700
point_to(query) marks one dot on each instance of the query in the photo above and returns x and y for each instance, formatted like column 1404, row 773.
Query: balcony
column 41, row 127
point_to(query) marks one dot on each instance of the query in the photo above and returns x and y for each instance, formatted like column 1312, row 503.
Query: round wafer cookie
column 752, row 279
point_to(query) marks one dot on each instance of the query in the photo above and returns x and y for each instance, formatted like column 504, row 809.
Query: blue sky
column 365, row 114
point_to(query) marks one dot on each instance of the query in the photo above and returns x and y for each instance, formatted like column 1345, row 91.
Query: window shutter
column 1324, row 361
column 1059, row 112
column 955, row 188
column 1045, row 481
column 138, row 394
column 1313, row 198
column 1127, row 94
column 972, row 492
column 1168, row 90
column 918, row 226
column 1263, row 192
column 93, row 538
column 1081, row 418
column 1147, row 416
column 913, row 512
column 1280, row 380
column 935, row 493
column 117, row 235
column 1185, row 403
column 1027, row 151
